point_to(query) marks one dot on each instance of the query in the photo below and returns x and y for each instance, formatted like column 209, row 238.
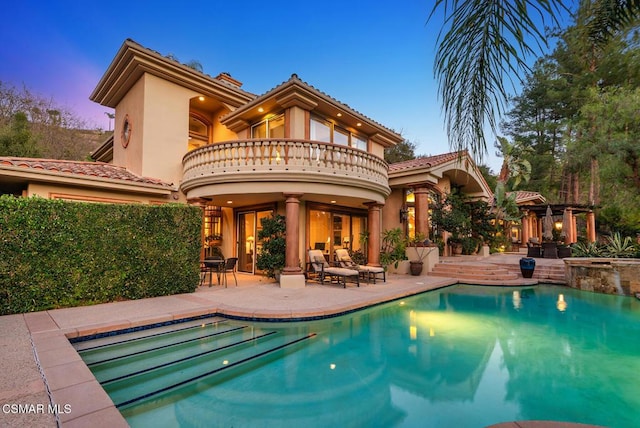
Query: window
column 199, row 131
column 328, row 132
column 272, row 127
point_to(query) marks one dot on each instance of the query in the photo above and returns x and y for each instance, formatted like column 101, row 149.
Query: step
column 176, row 373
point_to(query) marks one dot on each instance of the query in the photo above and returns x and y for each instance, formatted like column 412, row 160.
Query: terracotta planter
column 415, row 267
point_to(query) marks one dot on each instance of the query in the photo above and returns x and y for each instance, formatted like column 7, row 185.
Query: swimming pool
column 463, row 356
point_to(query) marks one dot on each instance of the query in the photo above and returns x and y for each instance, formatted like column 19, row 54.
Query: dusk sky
column 377, row 57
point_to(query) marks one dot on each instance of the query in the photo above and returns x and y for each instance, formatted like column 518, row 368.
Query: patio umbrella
column 548, row 225
column 566, row 223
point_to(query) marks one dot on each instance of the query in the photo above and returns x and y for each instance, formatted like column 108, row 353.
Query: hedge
column 56, row 254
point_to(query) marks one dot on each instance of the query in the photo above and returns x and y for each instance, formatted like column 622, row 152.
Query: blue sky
column 377, row 57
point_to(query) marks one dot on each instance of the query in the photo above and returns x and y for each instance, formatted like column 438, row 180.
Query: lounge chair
column 320, row 266
column 345, row 261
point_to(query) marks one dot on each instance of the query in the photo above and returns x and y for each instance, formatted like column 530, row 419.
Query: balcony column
column 422, row 210
column 373, row 244
column 292, row 276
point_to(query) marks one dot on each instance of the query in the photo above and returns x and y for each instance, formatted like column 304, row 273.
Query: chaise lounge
column 342, row 256
column 320, row 267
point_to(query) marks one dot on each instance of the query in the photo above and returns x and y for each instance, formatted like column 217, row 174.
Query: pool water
column 463, row 356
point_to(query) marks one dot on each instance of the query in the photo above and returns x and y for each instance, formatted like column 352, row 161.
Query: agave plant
column 587, row 249
column 619, row 247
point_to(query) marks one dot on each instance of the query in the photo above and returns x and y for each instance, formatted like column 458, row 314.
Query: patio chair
column 320, row 266
column 533, row 250
column 549, row 250
column 230, row 266
column 345, row 261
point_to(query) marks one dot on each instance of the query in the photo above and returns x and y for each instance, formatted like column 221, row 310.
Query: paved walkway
column 39, row 365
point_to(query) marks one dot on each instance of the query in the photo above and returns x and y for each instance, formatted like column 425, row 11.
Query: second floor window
column 325, row 131
column 272, row 127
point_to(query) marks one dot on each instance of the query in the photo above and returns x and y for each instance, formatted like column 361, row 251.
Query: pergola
column 533, row 216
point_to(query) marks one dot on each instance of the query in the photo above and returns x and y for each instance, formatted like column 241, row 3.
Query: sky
column 376, row 57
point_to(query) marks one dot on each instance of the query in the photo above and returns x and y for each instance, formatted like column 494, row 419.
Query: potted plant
column 393, row 248
column 271, row 257
column 421, row 249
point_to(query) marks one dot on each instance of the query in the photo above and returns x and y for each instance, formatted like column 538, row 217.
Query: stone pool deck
column 40, row 367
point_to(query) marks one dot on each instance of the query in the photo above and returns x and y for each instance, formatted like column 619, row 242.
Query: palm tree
column 483, row 43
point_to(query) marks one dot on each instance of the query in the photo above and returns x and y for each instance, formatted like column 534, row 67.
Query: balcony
column 275, row 165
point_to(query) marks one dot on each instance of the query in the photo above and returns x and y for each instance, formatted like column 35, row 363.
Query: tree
column 271, row 258
column 400, row 152
column 56, row 132
column 483, row 43
column 16, row 139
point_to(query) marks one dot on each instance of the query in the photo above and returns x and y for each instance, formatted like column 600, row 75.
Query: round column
column 373, row 245
column 422, row 210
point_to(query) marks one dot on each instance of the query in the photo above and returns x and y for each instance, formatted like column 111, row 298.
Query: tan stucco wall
column 166, row 132
column 376, row 149
column 89, row 195
column 391, row 210
column 159, row 115
column 221, row 132
column 297, row 125
column 131, row 106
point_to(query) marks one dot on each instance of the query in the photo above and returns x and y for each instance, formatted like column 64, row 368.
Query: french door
column 249, row 245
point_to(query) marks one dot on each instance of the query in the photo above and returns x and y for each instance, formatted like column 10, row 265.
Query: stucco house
column 184, row 136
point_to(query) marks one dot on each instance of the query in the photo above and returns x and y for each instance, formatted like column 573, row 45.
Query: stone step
column 497, row 274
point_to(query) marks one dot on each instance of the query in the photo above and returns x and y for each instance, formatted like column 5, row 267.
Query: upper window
column 199, row 131
column 328, row 132
column 272, row 127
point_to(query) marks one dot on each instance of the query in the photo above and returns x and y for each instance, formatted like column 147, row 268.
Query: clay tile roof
column 524, row 196
column 426, row 162
column 79, row 168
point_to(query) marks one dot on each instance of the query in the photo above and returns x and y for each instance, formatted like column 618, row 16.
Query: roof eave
column 133, row 60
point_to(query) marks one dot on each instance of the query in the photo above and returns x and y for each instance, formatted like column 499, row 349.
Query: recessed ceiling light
column 229, row 202
column 358, row 124
column 339, row 114
column 260, row 109
column 333, row 202
column 201, row 98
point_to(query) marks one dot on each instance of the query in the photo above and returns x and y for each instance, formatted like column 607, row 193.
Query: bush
column 271, row 258
column 60, row 254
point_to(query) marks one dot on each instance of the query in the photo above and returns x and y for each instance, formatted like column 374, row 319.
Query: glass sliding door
column 329, row 231
column 248, row 243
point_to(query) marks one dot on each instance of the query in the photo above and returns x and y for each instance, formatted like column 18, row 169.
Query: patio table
column 210, row 266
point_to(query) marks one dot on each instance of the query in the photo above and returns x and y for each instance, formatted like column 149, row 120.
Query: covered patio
column 545, row 224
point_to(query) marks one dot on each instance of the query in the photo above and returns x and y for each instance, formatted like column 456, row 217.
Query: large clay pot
column 415, row 267
column 527, row 266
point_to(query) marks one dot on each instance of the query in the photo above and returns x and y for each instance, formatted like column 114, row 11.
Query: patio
column 34, row 346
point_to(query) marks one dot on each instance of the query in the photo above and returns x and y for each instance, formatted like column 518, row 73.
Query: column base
column 292, row 281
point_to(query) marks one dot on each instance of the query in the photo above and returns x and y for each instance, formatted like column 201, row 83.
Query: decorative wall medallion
column 126, row 131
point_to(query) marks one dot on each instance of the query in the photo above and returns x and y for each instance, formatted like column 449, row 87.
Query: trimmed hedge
column 57, row 254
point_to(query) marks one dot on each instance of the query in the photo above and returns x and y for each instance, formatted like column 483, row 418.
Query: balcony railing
column 258, row 159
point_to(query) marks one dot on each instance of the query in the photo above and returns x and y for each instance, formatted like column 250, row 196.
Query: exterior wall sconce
column 404, row 214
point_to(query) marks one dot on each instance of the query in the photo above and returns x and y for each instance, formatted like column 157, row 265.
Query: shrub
column 59, row 254
column 271, row 258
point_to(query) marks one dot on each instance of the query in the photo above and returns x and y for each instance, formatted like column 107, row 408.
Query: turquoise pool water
column 464, row 356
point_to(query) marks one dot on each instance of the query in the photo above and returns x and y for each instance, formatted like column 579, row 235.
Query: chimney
column 226, row 77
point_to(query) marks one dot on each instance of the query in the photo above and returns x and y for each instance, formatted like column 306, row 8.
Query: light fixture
column 558, row 225
column 229, row 202
column 358, row 124
column 201, row 98
column 339, row 114
column 332, row 366
column 333, row 202
column 260, row 110
column 404, row 214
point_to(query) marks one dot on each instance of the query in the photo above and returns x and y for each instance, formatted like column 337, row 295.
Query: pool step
column 175, row 374
column 132, row 367
column 125, row 365
column 499, row 274
column 135, row 346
